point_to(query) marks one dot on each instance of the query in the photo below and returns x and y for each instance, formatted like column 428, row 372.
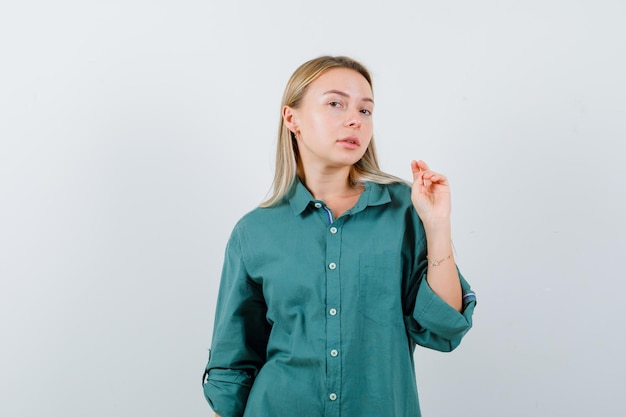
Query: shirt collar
column 299, row 197
column 374, row 195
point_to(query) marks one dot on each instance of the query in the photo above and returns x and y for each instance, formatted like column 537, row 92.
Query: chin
column 347, row 163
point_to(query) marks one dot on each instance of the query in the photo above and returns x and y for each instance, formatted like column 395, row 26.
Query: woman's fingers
column 433, row 176
column 419, row 168
column 423, row 166
column 423, row 174
column 415, row 169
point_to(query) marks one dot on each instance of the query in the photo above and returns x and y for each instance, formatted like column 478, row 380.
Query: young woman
column 328, row 286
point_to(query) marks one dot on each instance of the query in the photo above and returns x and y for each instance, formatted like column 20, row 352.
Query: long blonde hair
column 366, row 169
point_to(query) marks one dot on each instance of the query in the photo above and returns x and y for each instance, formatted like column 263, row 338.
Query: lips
column 351, row 140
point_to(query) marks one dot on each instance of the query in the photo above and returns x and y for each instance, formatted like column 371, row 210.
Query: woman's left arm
column 431, row 198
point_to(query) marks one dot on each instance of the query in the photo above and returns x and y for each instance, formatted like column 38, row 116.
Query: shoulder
column 265, row 214
column 399, row 193
column 399, row 189
column 262, row 218
column 258, row 229
column 399, row 201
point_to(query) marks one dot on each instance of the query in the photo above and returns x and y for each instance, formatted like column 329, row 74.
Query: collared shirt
column 319, row 316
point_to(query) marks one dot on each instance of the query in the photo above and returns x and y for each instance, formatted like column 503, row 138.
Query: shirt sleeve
column 240, row 336
column 430, row 321
column 434, row 323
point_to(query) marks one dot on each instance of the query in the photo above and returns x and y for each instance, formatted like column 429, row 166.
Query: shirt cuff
column 437, row 316
column 227, row 391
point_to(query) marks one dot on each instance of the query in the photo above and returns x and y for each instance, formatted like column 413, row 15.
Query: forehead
column 342, row 79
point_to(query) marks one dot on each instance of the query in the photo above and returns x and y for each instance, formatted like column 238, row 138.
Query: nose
column 354, row 120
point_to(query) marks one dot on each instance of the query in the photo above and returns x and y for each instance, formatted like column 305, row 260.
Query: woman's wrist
column 440, row 228
column 438, row 240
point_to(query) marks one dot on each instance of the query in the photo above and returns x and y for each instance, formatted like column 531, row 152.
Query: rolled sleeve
column 240, row 334
column 435, row 323
column 227, row 391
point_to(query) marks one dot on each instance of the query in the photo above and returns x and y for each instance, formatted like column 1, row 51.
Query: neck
column 328, row 183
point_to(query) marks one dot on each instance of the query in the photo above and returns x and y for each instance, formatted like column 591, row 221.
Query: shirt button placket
column 333, row 327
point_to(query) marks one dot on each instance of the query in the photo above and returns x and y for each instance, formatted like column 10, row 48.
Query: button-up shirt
column 319, row 316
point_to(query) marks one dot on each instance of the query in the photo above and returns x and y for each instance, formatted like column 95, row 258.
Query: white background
column 134, row 134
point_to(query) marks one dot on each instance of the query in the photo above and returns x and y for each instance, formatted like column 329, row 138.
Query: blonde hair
column 366, row 169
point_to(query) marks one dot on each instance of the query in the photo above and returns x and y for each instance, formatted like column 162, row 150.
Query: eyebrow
column 346, row 95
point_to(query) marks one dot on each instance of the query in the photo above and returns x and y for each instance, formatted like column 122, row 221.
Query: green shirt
column 320, row 317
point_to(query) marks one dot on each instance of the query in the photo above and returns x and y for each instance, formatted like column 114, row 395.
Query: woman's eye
column 334, row 104
column 366, row 112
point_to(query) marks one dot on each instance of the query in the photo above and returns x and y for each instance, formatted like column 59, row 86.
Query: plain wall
column 134, row 134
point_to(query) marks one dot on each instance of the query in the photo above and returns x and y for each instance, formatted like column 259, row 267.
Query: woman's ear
column 290, row 119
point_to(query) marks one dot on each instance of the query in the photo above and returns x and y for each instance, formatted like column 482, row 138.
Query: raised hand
column 430, row 195
column 431, row 198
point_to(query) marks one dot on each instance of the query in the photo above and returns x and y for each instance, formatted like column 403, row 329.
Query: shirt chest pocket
column 380, row 284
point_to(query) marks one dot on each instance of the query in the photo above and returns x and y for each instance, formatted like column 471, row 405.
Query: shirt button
column 318, row 205
column 334, row 353
column 332, row 312
column 333, row 230
column 332, row 265
column 332, row 396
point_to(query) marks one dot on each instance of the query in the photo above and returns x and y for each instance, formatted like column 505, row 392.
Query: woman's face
column 334, row 120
